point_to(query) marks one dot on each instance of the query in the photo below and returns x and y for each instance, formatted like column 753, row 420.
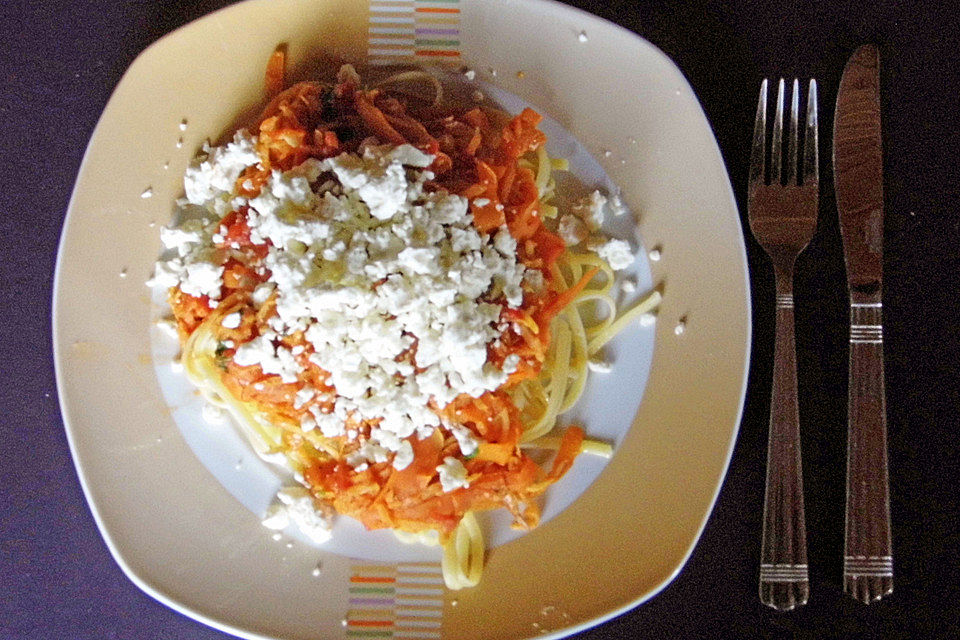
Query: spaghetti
column 370, row 288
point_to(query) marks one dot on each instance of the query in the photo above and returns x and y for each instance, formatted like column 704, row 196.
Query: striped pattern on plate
column 405, row 30
column 395, row 601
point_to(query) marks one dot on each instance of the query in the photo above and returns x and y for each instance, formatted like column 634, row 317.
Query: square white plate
column 181, row 535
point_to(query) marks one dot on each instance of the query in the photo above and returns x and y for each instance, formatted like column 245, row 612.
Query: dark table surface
column 60, row 61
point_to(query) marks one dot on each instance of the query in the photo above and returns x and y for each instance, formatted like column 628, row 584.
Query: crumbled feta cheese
column 213, row 177
column 182, row 238
column 648, row 320
column 331, row 425
column 348, row 75
column 255, row 351
column 407, row 155
column 168, row 326
column 453, row 475
column 276, row 517
column 202, row 278
column 369, row 451
column 628, row 286
column 599, row 365
column 312, row 518
column 231, row 320
column 571, row 230
column 382, row 188
column 303, row 396
column 262, row 293
column 590, row 209
column 534, row 279
column 307, row 423
column 273, row 360
column 466, row 439
column 195, row 268
column 616, row 253
column 404, row 456
column 166, row 273
column 504, row 242
column 616, row 205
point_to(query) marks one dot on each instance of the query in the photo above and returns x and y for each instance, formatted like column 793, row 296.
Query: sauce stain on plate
column 88, row 350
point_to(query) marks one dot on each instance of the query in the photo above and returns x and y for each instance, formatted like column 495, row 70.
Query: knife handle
column 868, row 557
column 784, row 579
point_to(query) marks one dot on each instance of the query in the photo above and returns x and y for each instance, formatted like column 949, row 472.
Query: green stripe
column 439, row 43
column 369, row 633
column 387, row 590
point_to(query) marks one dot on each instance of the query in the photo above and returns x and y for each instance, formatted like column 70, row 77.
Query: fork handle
column 784, row 579
column 868, row 558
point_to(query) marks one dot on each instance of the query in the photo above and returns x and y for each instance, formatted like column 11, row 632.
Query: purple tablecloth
column 59, row 62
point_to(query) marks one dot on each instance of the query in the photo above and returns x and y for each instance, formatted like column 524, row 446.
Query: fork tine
column 776, row 151
column 758, row 150
column 792, row 140
column 811, row 169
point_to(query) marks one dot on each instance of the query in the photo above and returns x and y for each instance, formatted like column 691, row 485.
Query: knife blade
column 858, row 182
column 858, row 172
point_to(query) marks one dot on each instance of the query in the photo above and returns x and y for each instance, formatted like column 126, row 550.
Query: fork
column 783, row 216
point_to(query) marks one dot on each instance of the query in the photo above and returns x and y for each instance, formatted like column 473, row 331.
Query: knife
column 858, row 181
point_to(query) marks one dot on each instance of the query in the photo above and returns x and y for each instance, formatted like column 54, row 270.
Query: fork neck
column 783, row 274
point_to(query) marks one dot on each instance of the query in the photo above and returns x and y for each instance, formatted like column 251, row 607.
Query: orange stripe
column 371, row 579
column 436, row 10
column 370, row 623
column 427, row 52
